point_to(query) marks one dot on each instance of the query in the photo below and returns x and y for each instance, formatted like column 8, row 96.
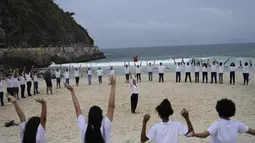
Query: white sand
column 199, row 99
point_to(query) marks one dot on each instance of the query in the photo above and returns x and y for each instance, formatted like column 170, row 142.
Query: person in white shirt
column 112, row 71
column 134, row 95
column 9, row 82
column 246, row 72
column 187, row 70
column 168, row 130
column 58, row 77
column 77, row 75
column 232, row 74
column 32, row 131
column 150, row 70
column 22, row 83
column 16, row 84
column 138, row 71
column 89, row 72
column 161, row 70
column 35, row 79
column 99, row 75
column 197, row 71
column 29, row 80
column 178, row 71
column 225, row 130
column 221, row 70
column 97, row 129
column 126, row 69
column 66, row 74
column 205, row 71
column 1, row 89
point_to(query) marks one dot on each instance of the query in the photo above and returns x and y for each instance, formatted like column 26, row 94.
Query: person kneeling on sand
column 97, row 129
column 225, row 130
column 166, row 131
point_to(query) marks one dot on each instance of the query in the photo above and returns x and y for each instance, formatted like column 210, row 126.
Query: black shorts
column 48, row 83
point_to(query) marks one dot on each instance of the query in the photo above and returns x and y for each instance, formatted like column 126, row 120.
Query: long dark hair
column 31, row 130
column 93, row 133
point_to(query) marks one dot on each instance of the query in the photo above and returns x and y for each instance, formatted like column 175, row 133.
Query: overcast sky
column 132, row 23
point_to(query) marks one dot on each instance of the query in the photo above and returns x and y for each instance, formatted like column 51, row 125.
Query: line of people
column 97, row 129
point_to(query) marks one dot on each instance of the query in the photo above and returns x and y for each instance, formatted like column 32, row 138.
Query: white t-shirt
column 138, row 70
column 161, row 69
column 127, row 70
column 214, row 68
column 76, row 73
column 28, row 77
column 1, row 86
column 197, row 68
column 167, row 132
column 232, row 68
column 225, row 131
column 204, row 69
column 40, row 136
column 99, row 72
column 21, row 80
column 246, row 69
column 150, row 68
column 221, row 69
column 9, row 82
column 35, row 78
column 178, row 68
column 112, row 72
column 66, row 74
column 57, row 74
column 15, row 82
column 134, row 87
column 89, row 72
column 106, row 128
column 188, row 68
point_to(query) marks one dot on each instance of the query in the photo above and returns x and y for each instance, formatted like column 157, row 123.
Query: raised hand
column 185, row 113
column 12, row 98
column 70, row 88
column 146, row 118
column 40, row 100
column 112, row 81
column 190, row 134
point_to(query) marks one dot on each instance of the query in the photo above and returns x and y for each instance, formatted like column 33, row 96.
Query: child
column 168, row 130
column 225, row 130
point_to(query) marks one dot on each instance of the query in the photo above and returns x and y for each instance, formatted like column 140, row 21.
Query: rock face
column 41, row 23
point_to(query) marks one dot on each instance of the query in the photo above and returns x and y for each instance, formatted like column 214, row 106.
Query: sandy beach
column 200, row 99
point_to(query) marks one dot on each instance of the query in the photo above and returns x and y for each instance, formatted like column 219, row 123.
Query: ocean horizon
column 165, row 54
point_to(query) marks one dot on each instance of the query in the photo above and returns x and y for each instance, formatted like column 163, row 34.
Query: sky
column 142, row 23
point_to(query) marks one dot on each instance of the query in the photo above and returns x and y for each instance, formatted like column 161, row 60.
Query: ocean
column 220, row 52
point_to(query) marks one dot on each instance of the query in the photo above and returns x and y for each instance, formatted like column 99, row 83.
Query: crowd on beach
column 97, row 129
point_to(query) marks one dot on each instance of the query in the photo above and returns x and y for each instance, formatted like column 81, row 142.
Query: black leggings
column 134, row 101
column 196, row 77
column 246, row 78
column 178, row 77
column 138, row 77
column 2, row 98
column 77, row 79
column 221, row 78
column 36, row 87
column 22, row 87
column 58, row 82
column 187, row 74
column 232, row 77
column 205, row 77
column 127, row 77
column 29, row 84
column 161, row 77
column 214, row 76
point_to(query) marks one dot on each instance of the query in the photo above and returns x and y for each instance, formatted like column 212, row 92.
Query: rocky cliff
column 41, row 23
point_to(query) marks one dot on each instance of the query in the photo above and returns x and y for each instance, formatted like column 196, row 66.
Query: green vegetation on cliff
column 38, row 22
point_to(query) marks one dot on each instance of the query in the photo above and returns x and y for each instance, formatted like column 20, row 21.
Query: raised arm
column 124, row 63
column 18, row 109
column 241, row 64
column 75, row 101
column 43, row 112
column 208, row 63
column 111, row 102
column 226, row 61
column 183, row 62
column 141, row 63
column 153, row 62
column 128, row 64
column 32, row 69
column 80, row 67
column 250, row 64
column 185, row 114
column 174, row 61
column 216, row 61
column 251, row 131
column 135, row 64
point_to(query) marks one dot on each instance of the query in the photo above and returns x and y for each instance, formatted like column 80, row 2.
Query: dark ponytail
column 31, row 130
column 93, row 133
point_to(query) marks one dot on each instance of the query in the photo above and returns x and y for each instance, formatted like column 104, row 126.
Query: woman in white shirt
column 35, row 79
column 197, row 71
column 138, row 71
column 161, row 70
column 178, row 71
column 58, row 77
column 150, row 70
column 214, row 70
column 99, row 75
column 1, row 89
column 232, row 74
column 134, row 95
column 126, row 69
column 32, row 131
column 9, row 82
column 187, row 70
column 77, row 75
column 16, row 84
column 29, row 80
column 97, row 129
column 22, row 83
column 221, row 70
column 168, row 130
column 205, row 71
column 225, row 130
column 246, row 72
column 66, row 74
column 89, row 72
column 112, row 71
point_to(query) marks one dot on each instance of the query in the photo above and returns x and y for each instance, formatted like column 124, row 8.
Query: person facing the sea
column 150, row 70
column 221, row 70
column 187, row 70
column 134, row 95
column 246, row 72
column 33, row 130
column 77, row 74
column 29, row 80
column 225, row 130
column 98, row 128
column 127, row 70
column 66, row 74
column 205, row 71
column 168, row 130
column 15, row 84
column 178, row 71
column 47, row 78
column 112, row 71
column 138, row 71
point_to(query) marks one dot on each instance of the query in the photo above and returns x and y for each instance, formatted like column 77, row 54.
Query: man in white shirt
column 134, row 95
column 178, row 71
column 66, row 74
column 99, row 75
column 161, row 69
column 112, row 72
column 89, row 72
column 77, row 75
column 246, row 72
column 126, row 69
column 187, row 70
column 221, row 70
column 150, row 70
column 22, row 83
column 138, row 71
column 214, row 67
column 58, row 77
column 29, row 80
column 225, row 130
column 197, row 71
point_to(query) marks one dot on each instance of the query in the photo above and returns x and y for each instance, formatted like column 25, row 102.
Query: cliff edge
column 41, row 23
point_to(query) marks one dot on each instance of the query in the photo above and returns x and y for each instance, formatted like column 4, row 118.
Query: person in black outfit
column 178, row 71
column 188, row 70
